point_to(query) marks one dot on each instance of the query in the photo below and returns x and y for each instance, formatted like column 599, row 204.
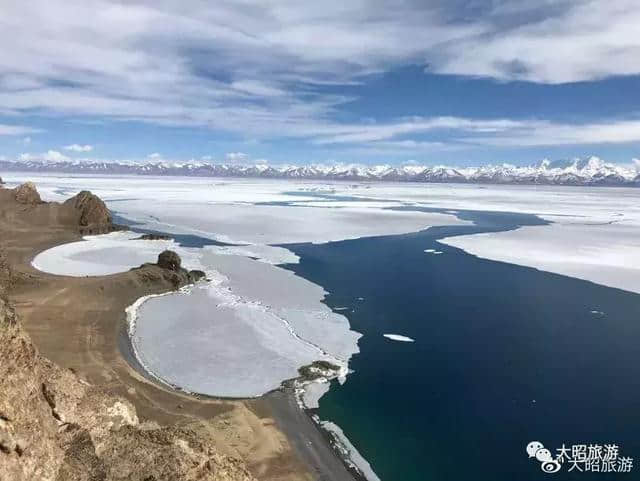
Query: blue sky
column 456, row 82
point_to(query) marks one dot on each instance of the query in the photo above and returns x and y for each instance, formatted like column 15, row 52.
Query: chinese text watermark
column 595, row 458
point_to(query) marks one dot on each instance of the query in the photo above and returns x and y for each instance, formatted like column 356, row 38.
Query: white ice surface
column 226, row 210
column 595, row 233
column 207, row 343
column 398, row 337
column 313, row 392
column 264, row 253
column 242, row 334
column 100, row 255
column 604, row 254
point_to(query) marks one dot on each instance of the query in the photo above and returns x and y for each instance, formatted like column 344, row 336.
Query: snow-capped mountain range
column 588, row 171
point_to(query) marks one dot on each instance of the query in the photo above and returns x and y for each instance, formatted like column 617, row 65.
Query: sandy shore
column 78, row 324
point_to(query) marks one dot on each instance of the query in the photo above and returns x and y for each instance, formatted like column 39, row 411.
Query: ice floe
column 264, row 253
column 398, row 337
column 607, row 254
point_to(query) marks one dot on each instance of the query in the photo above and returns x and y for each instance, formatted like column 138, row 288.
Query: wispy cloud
column 261, row 69
column 549, row 42
column 50, row 155
column 154, row 156
column 459, row 132
column 16, row 130
column 79, row 148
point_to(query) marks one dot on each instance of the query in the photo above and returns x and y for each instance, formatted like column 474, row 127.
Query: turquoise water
column 503, row 355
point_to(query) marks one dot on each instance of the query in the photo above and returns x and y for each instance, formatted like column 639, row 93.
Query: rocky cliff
column 27, row 194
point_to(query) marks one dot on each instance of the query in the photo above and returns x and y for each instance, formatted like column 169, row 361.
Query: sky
column 458, row 82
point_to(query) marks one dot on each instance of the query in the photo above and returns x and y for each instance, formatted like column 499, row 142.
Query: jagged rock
column 1, row 181
column 169, row 260
column 94, row 215
column 27, row 194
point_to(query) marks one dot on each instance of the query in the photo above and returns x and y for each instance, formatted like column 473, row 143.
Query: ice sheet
column 289, row 297
column 607, row 254
column 100, row 255
column 203, row 343
column 241, row 211
column 243, row 334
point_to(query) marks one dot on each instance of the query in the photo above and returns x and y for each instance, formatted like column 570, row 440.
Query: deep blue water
column 503, row 355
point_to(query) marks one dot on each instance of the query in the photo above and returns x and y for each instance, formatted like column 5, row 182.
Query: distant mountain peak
column 578, row 171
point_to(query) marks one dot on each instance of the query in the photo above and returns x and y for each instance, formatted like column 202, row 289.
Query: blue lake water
column 503, row 355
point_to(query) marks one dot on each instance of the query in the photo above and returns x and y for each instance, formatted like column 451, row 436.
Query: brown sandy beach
column 78, row 322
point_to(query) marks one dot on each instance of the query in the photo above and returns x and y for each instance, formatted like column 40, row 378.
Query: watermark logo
column 595, row 458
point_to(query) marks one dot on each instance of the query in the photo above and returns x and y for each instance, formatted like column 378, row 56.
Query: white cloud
column 209, row 68
column 26, row 140
column 256, row 68
column 154, row 156
column 79, row 148
column 540, row 133
column 16, row 130
column 206, row 158
column 568, row 41
column 50, row 155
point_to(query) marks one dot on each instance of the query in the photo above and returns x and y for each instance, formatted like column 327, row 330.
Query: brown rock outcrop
column 169, row 260
column 172, row 270
column 27, row 194
column 94, row 218
column 154, row 237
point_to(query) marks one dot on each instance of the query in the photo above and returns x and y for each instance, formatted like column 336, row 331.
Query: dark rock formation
column 196, row 275
column 154, row 237
column 95, row 218
column 171, row 264
column 169, row 260
column 27, row 194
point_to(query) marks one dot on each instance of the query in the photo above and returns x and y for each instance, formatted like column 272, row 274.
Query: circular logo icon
column 550, row 467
